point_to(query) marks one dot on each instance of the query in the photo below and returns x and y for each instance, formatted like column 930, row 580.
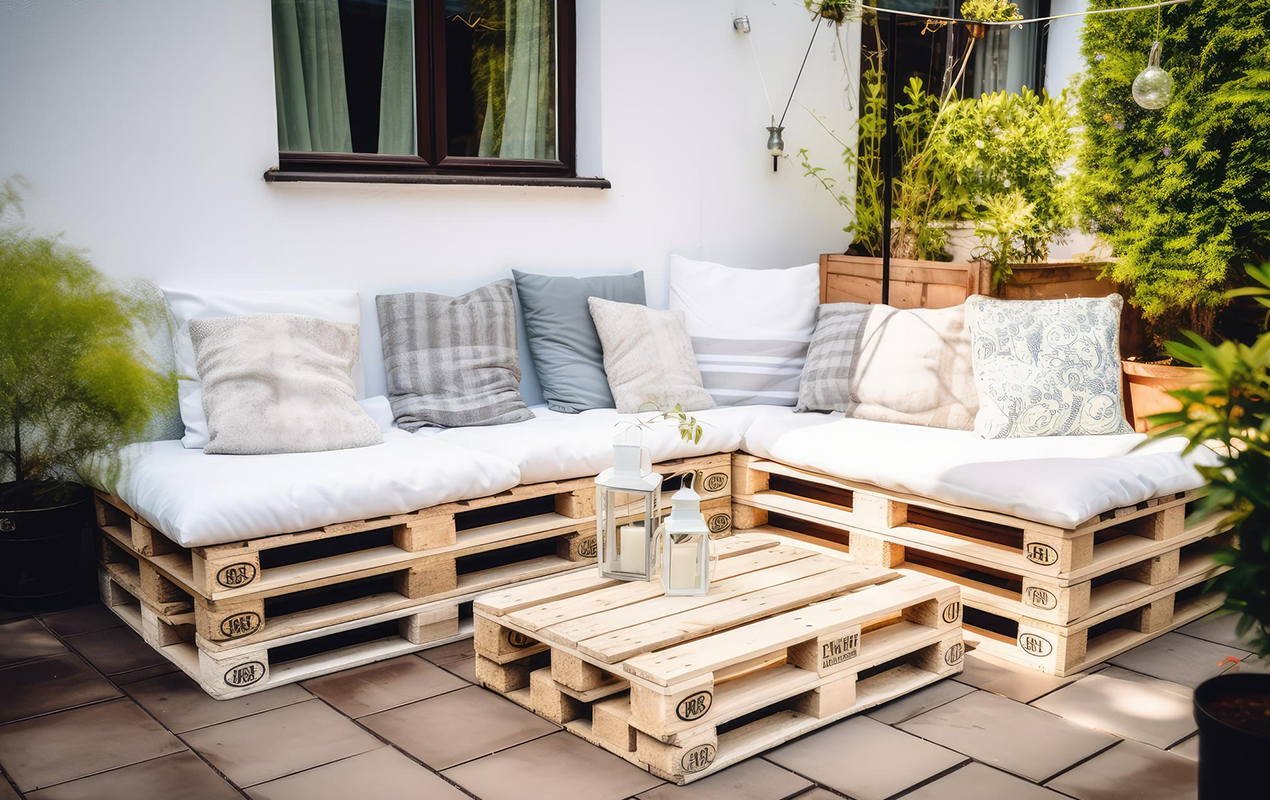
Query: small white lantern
column 632, row 492
column 686, row 565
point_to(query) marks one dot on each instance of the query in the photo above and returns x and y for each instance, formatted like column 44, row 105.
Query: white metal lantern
column 686, row 565
column 627, row 510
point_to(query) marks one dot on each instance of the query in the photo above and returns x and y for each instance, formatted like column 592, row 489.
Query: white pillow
column 1047, row 367
column 750, row 327
column 336, row 306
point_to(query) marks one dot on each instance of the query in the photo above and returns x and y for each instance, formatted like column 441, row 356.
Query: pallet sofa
column 253, row 571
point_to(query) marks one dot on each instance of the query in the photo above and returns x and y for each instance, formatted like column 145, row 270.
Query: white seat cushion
column 556, row 446
column 1057, row 480
column 197, row 499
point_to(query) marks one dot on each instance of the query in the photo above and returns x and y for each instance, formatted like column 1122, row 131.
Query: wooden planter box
column 939, row 284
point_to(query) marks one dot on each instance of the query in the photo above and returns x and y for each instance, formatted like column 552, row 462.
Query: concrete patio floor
column 87, row 710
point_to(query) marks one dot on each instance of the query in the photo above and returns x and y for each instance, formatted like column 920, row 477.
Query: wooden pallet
column 882, row 524
column 1065, row 650
column 294, row 583
column 788, row 640
column 298, row 656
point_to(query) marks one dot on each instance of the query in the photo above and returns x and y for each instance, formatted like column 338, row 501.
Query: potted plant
column 977, row 12
column 1169, row 189
column 72, row 388
column 1229, row 411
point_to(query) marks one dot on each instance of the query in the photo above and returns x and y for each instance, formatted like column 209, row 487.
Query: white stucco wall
column 1064, row 45
column 145, row 127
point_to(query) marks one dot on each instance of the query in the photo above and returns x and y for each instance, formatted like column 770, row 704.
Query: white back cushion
column 749, row 327
column 336, row 306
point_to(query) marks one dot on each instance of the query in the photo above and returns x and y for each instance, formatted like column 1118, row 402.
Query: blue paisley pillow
column 1047, row 367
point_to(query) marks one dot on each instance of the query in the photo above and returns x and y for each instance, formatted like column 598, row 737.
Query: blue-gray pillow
column 563, row 341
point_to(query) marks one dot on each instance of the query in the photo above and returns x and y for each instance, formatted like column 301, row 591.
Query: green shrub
column 73, row 385
column 1182, row 194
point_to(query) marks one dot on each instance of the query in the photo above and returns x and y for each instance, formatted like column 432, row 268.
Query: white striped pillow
column 750, row 327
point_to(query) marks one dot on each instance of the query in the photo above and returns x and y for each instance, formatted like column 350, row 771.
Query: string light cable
column 1018, row 22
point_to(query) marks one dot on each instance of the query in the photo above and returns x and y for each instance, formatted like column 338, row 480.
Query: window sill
column 276, row 175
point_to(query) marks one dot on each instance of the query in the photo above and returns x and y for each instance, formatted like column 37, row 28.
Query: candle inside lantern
column 632, row 548
column 684, row 569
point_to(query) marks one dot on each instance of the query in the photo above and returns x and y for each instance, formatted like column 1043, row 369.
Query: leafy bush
column 1002, row 144
column 72, row 383
column 1182, row 194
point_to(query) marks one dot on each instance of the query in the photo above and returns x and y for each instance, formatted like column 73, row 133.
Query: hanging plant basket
column 977, row 30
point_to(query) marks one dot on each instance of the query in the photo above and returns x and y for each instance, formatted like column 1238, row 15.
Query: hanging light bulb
column 1153, row 88
column 775, row 144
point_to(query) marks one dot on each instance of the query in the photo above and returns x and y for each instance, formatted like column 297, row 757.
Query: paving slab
column 182, row 705
column 754, row 779
column 382, row 774
column 1126, row 704
column 26, row 639
column 180, row 776
column 1179, row 658
column 50, row 684
column 383, row 685
column 977, row 781
column 1132, row 771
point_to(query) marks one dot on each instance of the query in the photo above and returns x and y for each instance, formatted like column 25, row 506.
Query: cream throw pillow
column 279, row 383
column 914, row 366
column 647, row 357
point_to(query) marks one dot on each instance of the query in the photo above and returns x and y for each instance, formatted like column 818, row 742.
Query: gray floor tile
column 84, row 619
column 1008, row 735
column 116, row 650
column 910, row 705
column 1219, row 628
column 754, row 779
column 382, row 774
column 449, row 653
column 179, row 703
column 1187, row 749
column 83, row 741
column 1131, row 771
column 1008, row 680
column 818, row 794
column 145, row 673
column 556, row 767
column 50, row 684
column 7, row 792
column 275, row 743
column 26, row 639
column 180, row 776
column 1179, row 658
column 1126, row 704
column 387, row 684
column 865, row 759
column 459, row 726
column 979, row 782
column 465, row 668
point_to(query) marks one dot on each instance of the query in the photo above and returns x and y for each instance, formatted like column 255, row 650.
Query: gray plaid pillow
column 826, row 381
column 452, row 361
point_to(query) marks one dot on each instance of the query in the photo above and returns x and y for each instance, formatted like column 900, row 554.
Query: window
column 370, row 89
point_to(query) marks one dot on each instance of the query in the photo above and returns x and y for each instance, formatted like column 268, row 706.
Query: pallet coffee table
column 788, row 640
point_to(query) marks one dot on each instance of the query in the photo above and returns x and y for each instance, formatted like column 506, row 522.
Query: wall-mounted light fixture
column 742, row 24
column 775, row 142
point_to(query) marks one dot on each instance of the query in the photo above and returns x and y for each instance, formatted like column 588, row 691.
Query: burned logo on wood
column 238, row 625
column 244, row 674
column 694, row 706
column 238, row 574
column 697, row 758
column 840, row 650
column 1042, row 554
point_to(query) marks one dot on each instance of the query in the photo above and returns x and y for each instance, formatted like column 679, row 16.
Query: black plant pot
column 44, row 546
column 1232, row 747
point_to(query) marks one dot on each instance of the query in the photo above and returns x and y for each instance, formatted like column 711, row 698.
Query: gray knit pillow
column 279, row 383
column 826, row 380
column 452, row 361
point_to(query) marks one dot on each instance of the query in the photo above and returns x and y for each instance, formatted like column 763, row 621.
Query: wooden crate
column 1032, row 591
column 787, row 641
column 254, row 591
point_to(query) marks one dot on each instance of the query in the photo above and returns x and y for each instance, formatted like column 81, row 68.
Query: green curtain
column 308, row 69
column 527, row 125
column 397, row 90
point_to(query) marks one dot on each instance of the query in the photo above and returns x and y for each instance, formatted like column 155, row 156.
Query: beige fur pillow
column 648, row 357
column 279, row 383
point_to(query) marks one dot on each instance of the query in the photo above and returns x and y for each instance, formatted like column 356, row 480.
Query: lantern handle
column 687, row 480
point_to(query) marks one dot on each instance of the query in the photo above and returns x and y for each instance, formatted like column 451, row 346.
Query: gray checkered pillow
column 452, row 361
column 826, row 381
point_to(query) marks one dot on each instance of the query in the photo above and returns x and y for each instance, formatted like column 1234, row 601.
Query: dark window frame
column 433, row 165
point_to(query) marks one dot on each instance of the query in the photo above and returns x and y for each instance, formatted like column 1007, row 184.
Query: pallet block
column 787, row 636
